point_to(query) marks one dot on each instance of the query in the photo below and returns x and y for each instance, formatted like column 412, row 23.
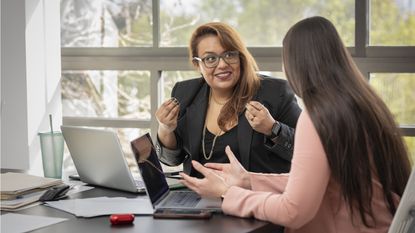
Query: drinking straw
column 55, row 161
column 50, row 123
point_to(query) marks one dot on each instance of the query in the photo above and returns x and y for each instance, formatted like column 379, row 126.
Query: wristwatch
column 276, row 128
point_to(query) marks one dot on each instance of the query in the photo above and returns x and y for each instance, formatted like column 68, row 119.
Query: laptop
column 156, row 185
column 99, row 159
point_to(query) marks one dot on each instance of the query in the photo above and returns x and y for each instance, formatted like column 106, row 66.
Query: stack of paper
column 24, row 201
column 18, row 189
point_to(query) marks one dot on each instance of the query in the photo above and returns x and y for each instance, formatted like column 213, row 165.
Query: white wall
column 30, row 79
column 1, row 103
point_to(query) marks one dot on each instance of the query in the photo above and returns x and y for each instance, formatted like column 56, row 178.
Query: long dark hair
column 248, row 83
column 358, row 132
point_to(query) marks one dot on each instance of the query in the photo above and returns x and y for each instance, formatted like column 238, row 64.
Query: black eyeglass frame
column 223, row 56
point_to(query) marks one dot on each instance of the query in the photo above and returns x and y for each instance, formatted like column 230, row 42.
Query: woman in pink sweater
column 350, row 165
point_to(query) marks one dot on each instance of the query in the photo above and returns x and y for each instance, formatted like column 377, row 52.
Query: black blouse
column 219, row 156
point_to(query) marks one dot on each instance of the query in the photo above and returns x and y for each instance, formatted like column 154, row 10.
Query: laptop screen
column 150, row 167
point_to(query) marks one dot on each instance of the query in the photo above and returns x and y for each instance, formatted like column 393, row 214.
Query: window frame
column 370, row 59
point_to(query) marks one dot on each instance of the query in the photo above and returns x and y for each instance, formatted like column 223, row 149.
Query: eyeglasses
column 212, row 60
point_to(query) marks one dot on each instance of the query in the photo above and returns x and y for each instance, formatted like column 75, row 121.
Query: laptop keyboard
column 182, row 199
column 139, row 184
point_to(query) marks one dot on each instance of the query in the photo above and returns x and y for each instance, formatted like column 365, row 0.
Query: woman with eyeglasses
column 229, row 105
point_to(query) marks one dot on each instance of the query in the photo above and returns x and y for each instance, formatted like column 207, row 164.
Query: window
column 98, row 93
column 392, row 22
column 262, row 23
column 410, row 144
column 397, row 90
column 105, row 23
column 169, row 78
column 121, row 58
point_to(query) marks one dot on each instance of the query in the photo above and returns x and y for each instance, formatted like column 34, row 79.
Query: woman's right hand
column 167, row 115
column 233, row 173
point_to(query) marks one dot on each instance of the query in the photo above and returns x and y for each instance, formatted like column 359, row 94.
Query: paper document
column 32, row 199
column 16, row 223
column 13, row 185
column 16, row 204
column 91, row 207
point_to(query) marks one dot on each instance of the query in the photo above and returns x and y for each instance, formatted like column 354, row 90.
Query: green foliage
column 391, row 26
column 397, row 90
column 410, row 143
column 261, row 23
column 133, row 93
column 172, row 77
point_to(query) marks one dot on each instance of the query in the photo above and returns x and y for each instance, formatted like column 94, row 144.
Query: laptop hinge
column 161, row 198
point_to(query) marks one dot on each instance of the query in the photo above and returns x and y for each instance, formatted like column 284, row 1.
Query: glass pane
column 170, row 78
column 392, row 22
column 95, row 93
column 261, row 23
column 397, row 90
column 106, row 23
column 281, row 75
column 410, row 144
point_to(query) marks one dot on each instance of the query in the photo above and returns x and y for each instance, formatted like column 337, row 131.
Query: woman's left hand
column 259, row 117
column 211, row 186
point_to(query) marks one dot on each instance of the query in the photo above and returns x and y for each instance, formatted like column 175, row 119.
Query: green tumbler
column 51, row 145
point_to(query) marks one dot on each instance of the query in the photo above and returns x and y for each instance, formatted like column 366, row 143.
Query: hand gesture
column 233, row 173
column 167, row 115
column 210, row 186
column 259, row 118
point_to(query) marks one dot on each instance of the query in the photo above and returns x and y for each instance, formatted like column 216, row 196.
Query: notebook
column 14, row 185
column 99, row 159
column 156, row 185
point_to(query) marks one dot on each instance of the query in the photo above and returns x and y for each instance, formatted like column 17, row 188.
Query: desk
column 217, row 224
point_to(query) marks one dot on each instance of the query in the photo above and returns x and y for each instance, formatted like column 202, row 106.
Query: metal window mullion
column 408, row 130
column 155, row 99
column 361, row 27
column 391, row 51
column 156, row 23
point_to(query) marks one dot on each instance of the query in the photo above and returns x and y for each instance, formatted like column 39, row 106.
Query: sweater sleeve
column 269, row 182
column 304, row 190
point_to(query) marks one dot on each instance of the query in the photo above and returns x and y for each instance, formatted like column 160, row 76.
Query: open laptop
column 156, row 185
column 99, row 159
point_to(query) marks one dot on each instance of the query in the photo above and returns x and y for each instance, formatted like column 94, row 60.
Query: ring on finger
column 174, row 100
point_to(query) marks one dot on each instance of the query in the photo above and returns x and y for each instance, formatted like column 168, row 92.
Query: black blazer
column 257, row 152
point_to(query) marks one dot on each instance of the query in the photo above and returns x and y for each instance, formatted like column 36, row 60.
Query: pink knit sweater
column 307, row 199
